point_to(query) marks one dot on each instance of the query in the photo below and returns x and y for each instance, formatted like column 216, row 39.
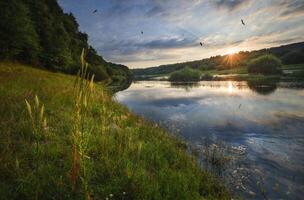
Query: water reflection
column 270, row 127
column 185, row 86
column 263, row 87
column 258, row 86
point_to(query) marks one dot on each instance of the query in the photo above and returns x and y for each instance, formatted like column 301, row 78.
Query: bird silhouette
column 95, row 11
column 142, row 32
column 201, row 43
column 243, row 22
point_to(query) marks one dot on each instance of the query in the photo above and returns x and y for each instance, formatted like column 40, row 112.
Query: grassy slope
column 124, row 153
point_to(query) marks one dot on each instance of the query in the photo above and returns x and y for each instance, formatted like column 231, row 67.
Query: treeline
column 289, row 54
column 38, row 32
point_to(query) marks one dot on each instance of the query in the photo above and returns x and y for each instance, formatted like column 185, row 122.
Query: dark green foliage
column 40, row 33
column 294, row 57
column 267, row 64
column 185, row 75
column 18, row 38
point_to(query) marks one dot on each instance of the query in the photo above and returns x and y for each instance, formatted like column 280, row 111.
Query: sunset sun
column 231, row 51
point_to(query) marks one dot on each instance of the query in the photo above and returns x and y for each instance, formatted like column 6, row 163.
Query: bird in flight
column 201, row 43
column 142, row 32
column 95, row 11
column 243, row 22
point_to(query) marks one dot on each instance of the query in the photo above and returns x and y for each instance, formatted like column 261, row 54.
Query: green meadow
column 63, row 137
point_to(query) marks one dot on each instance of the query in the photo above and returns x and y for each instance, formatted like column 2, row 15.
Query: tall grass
column 81, row 132
column 39, row 128
column 38, row 120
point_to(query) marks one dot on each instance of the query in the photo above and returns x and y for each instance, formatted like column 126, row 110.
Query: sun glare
column 232, row 57
column 231, row 51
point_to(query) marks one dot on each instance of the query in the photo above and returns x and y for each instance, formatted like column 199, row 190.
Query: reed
column 39, row 128
column 81, row 133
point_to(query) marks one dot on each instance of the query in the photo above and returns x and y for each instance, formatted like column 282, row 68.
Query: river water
column 265, row 123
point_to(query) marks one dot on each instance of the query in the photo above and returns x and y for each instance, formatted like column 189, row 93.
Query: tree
column 18, row 38
column 39, row 32
column 266, row 64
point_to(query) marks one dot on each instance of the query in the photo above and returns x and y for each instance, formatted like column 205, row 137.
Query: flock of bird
column 201, row 43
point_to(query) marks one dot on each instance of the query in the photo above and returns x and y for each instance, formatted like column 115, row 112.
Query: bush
column 185, row 75
column 267, row 64
column 294, row 57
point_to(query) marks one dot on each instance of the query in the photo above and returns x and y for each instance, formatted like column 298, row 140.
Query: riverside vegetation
column 238, row 66
column 185, row 74
column 265, row 67
column 63, row 138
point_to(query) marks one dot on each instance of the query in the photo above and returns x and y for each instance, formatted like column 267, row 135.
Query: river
column 265, row 123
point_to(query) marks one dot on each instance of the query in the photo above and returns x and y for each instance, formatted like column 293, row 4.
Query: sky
column 173, row 29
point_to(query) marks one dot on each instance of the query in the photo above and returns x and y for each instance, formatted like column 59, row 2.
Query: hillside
column 41, row 34
column 289, row 54
column 69, row 142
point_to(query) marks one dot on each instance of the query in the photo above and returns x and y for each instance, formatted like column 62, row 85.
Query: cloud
column 229, row 4
column 293, row 7
column 174, row 28
column 168, row 43
column 155, row 10
column 133, row 45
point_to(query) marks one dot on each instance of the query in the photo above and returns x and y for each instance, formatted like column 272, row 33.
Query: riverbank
column 117, row 155
column 292, row 73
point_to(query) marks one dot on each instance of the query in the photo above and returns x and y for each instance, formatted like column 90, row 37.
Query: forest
column 39, row 33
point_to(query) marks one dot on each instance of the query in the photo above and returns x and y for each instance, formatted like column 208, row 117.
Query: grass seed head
column 29, row 108
column 36, row 101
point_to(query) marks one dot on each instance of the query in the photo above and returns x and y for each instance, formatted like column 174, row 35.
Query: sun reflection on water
column 230, row 87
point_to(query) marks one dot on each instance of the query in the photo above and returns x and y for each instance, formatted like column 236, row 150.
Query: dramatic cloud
column 173, row 29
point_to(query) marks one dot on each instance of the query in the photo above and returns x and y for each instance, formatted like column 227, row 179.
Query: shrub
column 185, row 75
column 267, row 64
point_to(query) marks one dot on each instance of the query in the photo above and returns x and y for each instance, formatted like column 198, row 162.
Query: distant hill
column 41, row 34
column 289, row 54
